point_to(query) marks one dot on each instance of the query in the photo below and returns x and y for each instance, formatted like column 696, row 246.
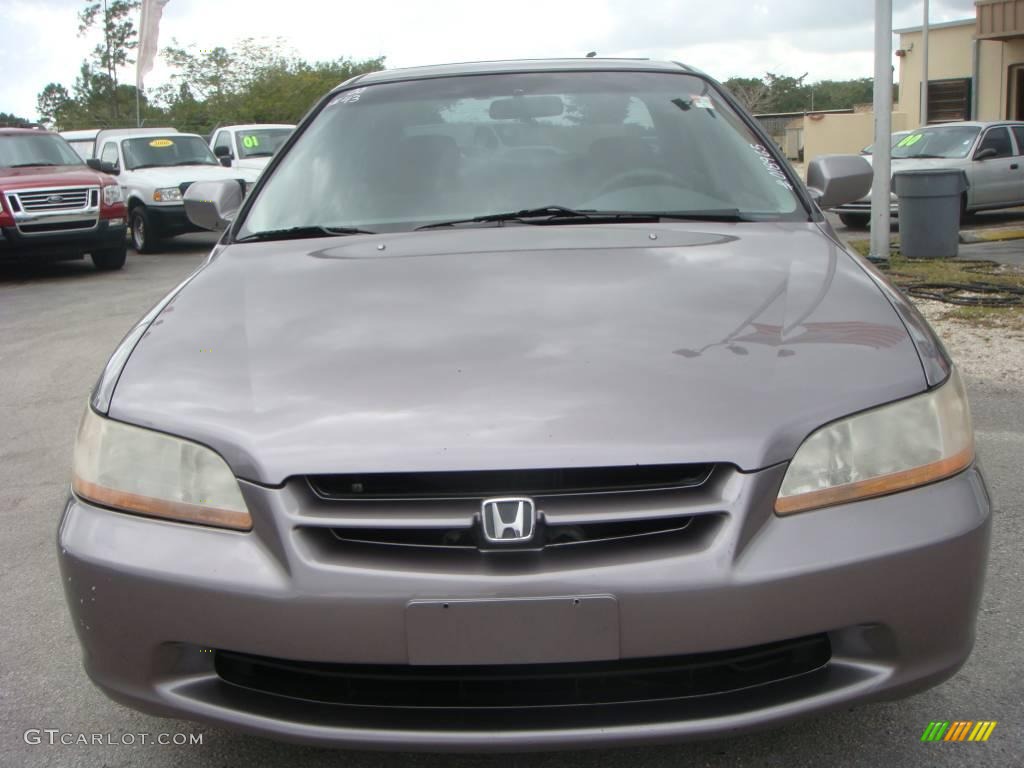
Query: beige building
column 975, row 67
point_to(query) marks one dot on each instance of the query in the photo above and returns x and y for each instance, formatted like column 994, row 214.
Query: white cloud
column 829, row 40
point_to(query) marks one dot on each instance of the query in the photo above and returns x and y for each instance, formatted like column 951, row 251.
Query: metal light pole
column 881, row 157
column 924, row 66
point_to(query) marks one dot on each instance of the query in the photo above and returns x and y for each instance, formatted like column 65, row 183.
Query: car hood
column 179, row 174
column 518, row 347
column 256, row 164
column 50, row 176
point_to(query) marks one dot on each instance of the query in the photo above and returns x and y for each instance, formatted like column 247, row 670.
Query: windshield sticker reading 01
column 909, row 141
column 250, row 142
column 772, row 167
column 160, row 143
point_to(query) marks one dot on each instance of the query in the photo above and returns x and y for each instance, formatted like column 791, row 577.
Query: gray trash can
column 930, row 212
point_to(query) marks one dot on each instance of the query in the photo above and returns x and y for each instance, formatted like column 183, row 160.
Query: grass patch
column 909, row 273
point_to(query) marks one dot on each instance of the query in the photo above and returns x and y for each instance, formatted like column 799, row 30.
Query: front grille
column 547, row 535
column 624, row 681
column 678, row 504
column 60, row 199
column 64, row 226
column 529, row 482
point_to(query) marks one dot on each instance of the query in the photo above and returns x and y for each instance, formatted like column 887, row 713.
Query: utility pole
column 882, row 159
column 924, row 67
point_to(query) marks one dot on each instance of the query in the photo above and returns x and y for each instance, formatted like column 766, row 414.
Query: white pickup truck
column 154, row 167
column 249, row 146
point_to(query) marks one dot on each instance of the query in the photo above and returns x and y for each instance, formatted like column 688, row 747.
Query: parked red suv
column 53, row 206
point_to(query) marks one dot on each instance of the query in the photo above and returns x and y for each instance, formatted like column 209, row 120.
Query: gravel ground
column 991, row 354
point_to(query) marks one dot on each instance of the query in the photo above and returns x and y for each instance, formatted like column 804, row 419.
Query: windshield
column 896, row 139
column 27, row 149
column 950, row 142
column 395, row 156
column 163, row 151
column 263, row 142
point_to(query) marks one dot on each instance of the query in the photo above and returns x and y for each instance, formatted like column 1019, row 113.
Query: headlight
column 167, row 195
column 150, row 473
column 112, row 194
column 899, row 446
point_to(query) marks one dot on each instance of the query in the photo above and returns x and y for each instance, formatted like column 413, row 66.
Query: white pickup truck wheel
column 145, row 236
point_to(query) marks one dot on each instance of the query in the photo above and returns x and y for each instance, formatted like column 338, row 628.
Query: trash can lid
column 930, row 182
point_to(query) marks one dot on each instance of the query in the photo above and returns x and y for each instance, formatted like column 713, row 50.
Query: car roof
column 252, row 126
column 107, row 133
column 89, row 133
column 518, row 65
column 13, row 130
column 973, row 124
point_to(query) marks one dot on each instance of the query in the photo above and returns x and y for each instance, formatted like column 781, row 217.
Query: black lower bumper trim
column 564, row 685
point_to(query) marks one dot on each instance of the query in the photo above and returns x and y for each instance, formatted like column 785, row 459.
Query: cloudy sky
column 829, row 39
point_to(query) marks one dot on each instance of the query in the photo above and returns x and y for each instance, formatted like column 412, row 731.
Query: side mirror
column 224, row 155
column 103, row 166
column 834, row 180
column 986, row 153
column 213, row 204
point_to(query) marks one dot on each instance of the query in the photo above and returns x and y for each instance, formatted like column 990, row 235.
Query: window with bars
column 949, row 100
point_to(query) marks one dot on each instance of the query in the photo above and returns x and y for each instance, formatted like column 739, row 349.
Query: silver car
column 594, row 435
column 990, row 154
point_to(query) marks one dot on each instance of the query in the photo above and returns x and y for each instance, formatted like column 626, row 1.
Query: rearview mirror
column 213, row 204
column 986, row 153
column 834, row 180
column 526, row 107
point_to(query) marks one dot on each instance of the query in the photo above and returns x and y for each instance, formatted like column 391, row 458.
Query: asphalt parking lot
column 59, row 323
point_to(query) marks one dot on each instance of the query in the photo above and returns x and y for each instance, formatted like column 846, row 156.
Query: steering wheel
column 638, row 178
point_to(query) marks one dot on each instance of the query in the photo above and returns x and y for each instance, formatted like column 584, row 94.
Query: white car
column 155, row 166
column 249, row 146
column 83, row 142
column 991, row 155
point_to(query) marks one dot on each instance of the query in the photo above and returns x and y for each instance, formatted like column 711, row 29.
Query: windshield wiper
column 192, row 162
column 295, row 233
column 557, row 214
column 31, row 165
column 527, row 215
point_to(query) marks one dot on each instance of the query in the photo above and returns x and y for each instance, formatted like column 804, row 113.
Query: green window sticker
column 250, row 142
column 911, row 140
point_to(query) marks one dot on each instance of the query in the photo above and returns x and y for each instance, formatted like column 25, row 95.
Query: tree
column 780, row 93
column 752, row 92
column 119, row 39
column 53, row 105
column 255, row 81
column 7, row 120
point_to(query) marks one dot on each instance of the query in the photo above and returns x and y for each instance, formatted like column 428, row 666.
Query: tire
column 110, row 259
column 144, row 232
column 855, row 220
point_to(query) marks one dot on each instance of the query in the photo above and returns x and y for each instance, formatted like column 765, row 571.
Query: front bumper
column 893, row 583
column 51, row 246
column 863, row 207
column 171, row 219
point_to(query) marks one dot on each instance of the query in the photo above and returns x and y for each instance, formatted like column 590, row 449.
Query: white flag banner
column 149, row 32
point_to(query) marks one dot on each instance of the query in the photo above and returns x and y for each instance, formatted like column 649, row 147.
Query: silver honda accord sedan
column 525, row 405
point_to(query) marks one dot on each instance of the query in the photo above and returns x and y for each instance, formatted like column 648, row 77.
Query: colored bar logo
column 958, row 730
